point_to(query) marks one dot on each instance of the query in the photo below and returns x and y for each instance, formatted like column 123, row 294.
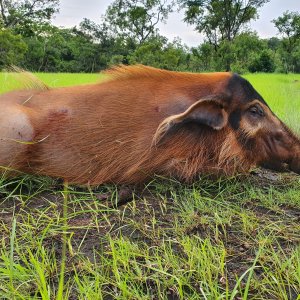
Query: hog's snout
column 294, row 164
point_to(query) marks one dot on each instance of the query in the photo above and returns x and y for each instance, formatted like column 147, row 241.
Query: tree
column 26, row 16
column 137, row 19
column 264, row 62
column 246, row 47
column 273, row 43
column 94, row 31
column 202, row 58
column 112, row 48
column 288, row 26
column 157, row 52
column 64, row 50
column 12, row 49
column 220, row 20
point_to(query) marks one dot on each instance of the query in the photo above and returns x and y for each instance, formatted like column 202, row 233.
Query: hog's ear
column 209, row 111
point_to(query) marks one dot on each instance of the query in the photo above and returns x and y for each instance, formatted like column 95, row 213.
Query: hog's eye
column 256, row 111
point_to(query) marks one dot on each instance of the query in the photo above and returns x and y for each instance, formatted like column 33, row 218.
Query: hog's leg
column 16, row 133
column 125, row 194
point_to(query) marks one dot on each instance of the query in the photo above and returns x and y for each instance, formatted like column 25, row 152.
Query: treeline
column 128, row 34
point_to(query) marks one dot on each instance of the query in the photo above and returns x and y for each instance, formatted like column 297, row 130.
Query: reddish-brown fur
column 118, row 131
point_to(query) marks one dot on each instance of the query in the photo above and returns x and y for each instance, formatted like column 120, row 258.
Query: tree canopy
column 25, row 16
column 288, row 26
column 129, row 33
column 137, row 19
column 220, row 20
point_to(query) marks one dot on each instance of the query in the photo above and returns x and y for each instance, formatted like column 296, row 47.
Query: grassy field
column 235, row 238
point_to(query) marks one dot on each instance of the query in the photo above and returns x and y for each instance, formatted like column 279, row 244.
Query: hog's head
column 234, row 108
column 259, row 131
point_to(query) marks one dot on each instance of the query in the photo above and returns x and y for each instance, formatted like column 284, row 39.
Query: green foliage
column 27, row 16
column 288, row 26
column 239, row 53
column 263, row 63
column 158, row 53
column 245, row 48
column 221, row 21
column 128, row 34
column 137, row 19
column 12, row 48
column 68, row 50
column 202, row 58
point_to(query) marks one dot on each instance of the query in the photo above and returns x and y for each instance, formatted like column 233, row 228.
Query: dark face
column 265, row 138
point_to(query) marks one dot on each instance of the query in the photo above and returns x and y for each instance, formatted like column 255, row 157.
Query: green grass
column 236, row 238
column 10, row 81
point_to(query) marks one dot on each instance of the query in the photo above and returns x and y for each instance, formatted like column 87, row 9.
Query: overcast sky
column 72, row 13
